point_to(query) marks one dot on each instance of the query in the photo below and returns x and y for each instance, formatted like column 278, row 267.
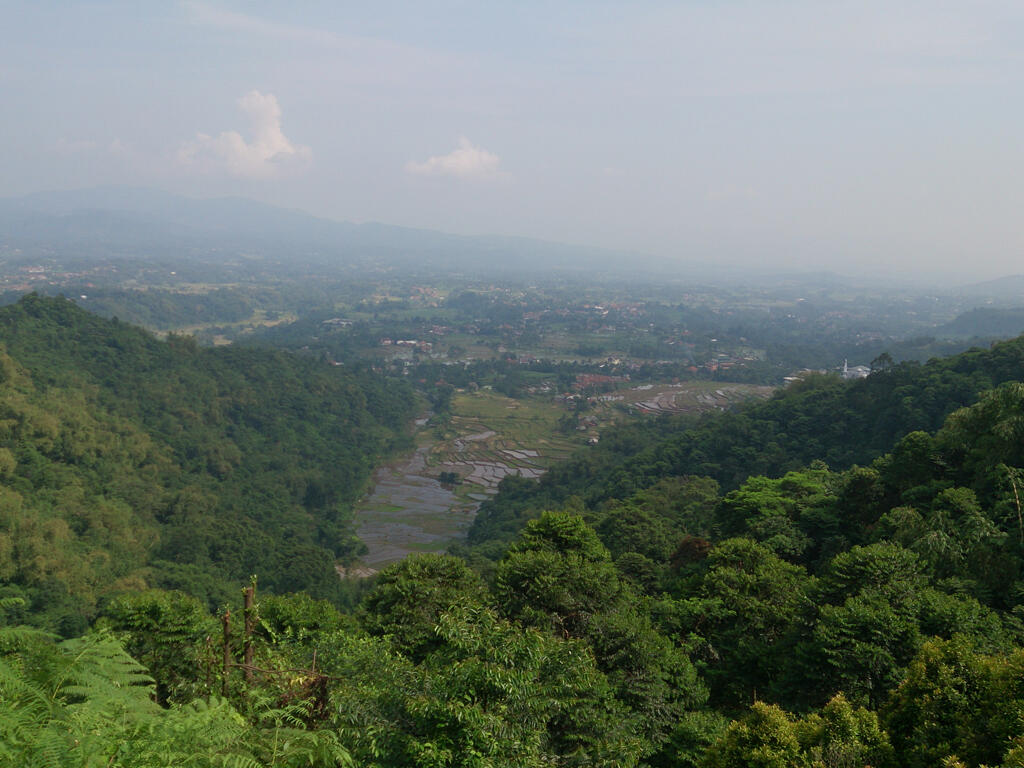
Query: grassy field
column 258, row 319
column 526, row 422
column 489, row 435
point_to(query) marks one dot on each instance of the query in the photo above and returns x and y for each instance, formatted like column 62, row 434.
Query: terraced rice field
column 489, row 437
column 690, row 396
column 497, row 437
column 409, row 511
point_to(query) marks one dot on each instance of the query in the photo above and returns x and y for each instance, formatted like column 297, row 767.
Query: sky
column 866, row 137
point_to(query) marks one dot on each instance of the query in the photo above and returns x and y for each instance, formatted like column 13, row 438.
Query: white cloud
column 466, row 161
column 269, row 152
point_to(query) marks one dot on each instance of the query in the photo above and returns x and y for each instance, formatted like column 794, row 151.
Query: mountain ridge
column 55, row 218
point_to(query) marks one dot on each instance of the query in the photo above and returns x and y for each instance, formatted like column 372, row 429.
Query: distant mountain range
column 127, row 222
column 123, row 221
column 984, row 322
column 1005, row 290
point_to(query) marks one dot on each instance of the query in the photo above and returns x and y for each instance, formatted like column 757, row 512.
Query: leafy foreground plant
column 86, row 702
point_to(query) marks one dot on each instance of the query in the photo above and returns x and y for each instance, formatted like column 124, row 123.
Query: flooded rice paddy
column 409, row 511
column 487, row 438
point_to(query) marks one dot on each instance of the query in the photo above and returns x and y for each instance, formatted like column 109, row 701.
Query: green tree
column 489, row 693
column 765, row 738
column 410, row 596
column 867, row 626
column 559, row 578
column 954, row 701
column 780, row 513
column 746, row 603
column 627, row 528
column 557, row 575
column 843, row 735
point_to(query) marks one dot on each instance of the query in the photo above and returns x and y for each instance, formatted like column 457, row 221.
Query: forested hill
column 984, row 321
column 870, row 617
column 127, row 461
column 822, row 418
column 825, row 618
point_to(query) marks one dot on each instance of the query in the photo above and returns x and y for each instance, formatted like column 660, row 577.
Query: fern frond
column 98, row 671
column 213, row 733
column 7, row 603
column 16, row 638
column 51, row 748
column 312, row 748
column 17, row 690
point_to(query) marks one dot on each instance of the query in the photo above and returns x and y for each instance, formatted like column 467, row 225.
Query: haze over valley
column 442, row 385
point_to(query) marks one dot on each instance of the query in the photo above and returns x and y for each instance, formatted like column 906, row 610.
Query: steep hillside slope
column 126, row 460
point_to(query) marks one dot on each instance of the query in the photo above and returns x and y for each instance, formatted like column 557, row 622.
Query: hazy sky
column 861, row 135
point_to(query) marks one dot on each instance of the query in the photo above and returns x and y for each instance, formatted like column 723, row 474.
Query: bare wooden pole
column 226, row 621
column 1016, row 497
column 208, row 663
column 249, row 597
